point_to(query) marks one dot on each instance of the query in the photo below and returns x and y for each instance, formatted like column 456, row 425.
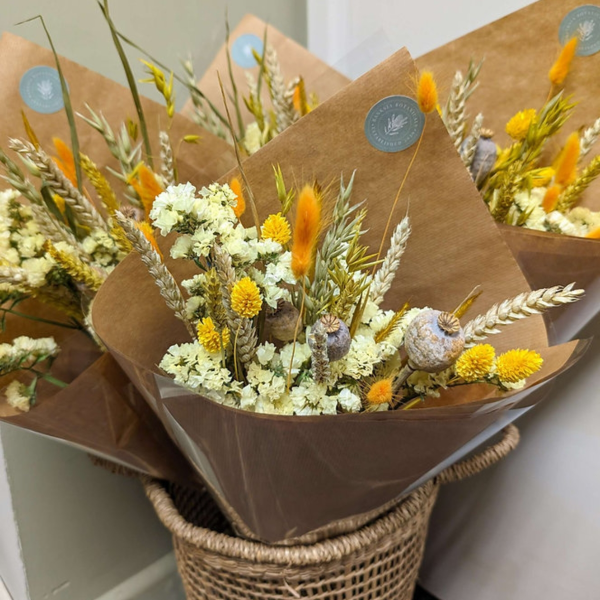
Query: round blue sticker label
column 582, row 22
column 394, row 124
column 241, row 50
column 41, row 91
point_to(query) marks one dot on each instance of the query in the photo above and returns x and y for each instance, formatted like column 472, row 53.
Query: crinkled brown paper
column 282, row 478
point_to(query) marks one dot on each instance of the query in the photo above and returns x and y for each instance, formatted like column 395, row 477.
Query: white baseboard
column 158, row 581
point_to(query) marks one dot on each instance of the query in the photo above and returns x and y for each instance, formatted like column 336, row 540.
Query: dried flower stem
column 588, row 138
column 166, row 283
column 384, row 277
column 84, row 211
column 517, row 308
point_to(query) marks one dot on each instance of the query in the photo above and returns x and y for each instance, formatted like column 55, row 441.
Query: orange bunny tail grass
column 594, row 234
column 551, row 198
column 146, row 229
column 427, row 95
column 306, row 231
column 566, row 165
column 560, row 69
column 65, row 161
column 146, row 185
column 236, row 188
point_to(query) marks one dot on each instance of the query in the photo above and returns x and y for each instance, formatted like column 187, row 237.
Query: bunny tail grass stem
column 391, row 215
column 167, row 285
column 298, row 321
column 239, row 159
column 130, row 80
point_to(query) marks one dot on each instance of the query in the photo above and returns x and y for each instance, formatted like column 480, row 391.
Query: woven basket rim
column 324, row 551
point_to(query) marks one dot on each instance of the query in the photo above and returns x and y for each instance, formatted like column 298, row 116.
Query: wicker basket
column 379, row 561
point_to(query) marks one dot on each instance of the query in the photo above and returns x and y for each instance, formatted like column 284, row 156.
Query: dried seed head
column 448, row 322
column 331, row 323
column 486, row 133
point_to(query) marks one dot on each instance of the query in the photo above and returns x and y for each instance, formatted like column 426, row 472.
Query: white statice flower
column 361, row 359
column 429, row 384
column 18, row 396
column 37, row 269
column 268, row 385
column 195, row 285
column 349, row 401
column 529, row 202
column 253, row 138
column 265, row 353
column 24, row 352
column 102, row 248
column 559, row 223
column 310, row 398
column 585, row 219
column 197, row 369
column 517, row 385
column 302, row 355
column 170, row 206
column 183, row 247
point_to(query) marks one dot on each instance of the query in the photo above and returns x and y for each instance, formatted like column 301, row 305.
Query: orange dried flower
column 306, row 231
column 148, row 232
column 566, row 165
column 427, row 95
column 560, row 69
column 65, row 161
column 145, row 183
column 380, row 392
column 236, row 188
column 551, row 198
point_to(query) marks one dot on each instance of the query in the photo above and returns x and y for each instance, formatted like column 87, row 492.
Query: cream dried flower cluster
column 283, row 323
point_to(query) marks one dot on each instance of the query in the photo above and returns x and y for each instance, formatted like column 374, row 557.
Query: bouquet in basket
column 298, row 345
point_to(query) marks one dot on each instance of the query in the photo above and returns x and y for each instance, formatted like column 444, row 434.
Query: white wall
column 85, row 533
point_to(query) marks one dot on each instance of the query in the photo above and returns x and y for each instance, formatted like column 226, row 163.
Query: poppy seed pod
column 485, row 156
column 433, row 341
column 338, row 337
column 281, row 321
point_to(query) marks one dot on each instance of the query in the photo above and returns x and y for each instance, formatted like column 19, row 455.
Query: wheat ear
column 283, row 105
column 243, row 329
column 467, row 150
column 84, row 210
column 166, row 283
column 588, row 138
column 166, row 158
column 384, row 277
column 517, row 308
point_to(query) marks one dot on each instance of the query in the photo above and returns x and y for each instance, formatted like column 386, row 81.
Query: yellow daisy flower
column 519, row 125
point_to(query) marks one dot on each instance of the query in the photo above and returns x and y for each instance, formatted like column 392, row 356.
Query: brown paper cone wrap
column 519, row 51
column 199, row 163
column 295, row 61
column 100, row 411
column 283, row 479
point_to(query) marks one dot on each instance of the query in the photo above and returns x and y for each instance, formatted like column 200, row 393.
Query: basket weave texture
column 379, row 561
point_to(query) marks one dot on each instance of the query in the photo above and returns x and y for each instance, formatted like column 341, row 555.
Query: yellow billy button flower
column 380, row 392
column 427, row 95
column 515, row 365
column 209, row 337
column 245, row 298
column 475, row 363
column 519, row 125
column 277, row 228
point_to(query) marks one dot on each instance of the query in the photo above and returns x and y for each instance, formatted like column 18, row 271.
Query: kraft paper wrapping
column 199, row 163
column 519, row 51
column 295, row 60
column 288, row 479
